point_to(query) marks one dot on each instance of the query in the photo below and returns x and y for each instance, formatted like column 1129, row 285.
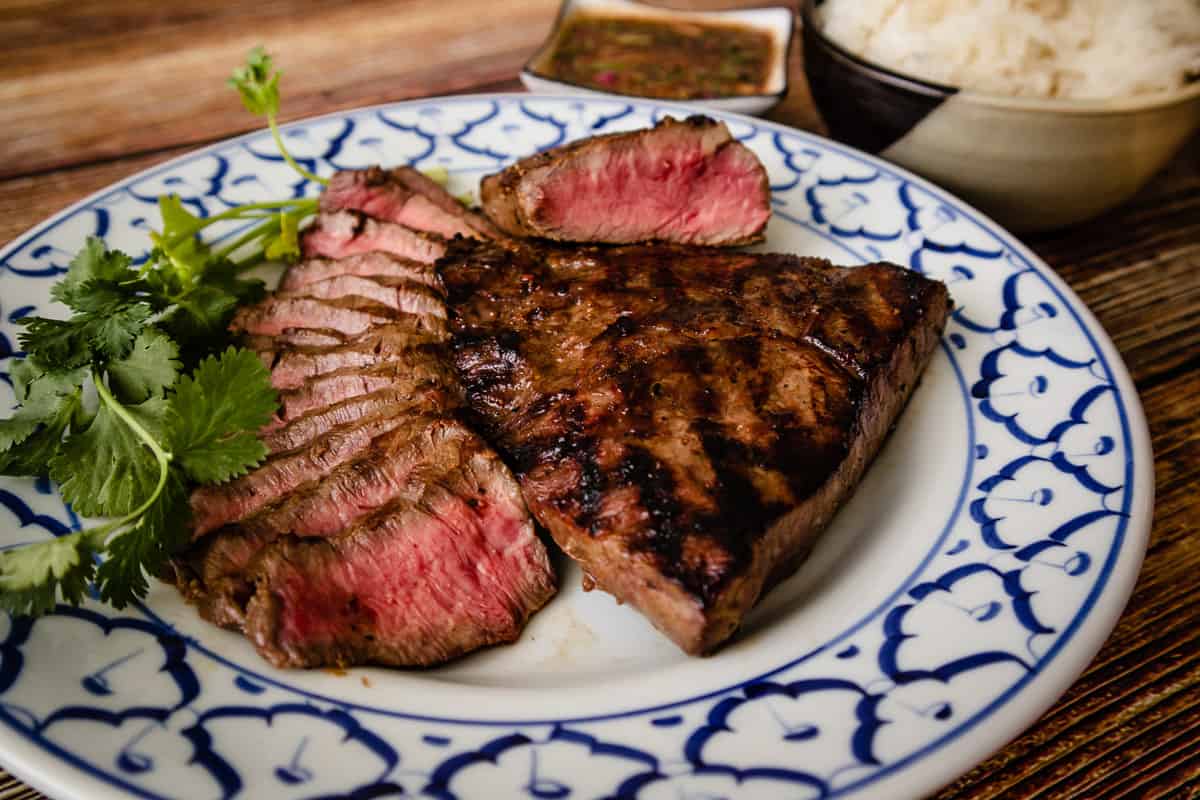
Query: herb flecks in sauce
column 662, row 58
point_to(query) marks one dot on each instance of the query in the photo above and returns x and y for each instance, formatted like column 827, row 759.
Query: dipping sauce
column 662, row 58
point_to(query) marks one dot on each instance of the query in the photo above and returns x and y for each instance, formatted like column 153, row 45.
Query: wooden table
column 94, row 90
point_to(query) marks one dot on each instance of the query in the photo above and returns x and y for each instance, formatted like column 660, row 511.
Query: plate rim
column 1059, row 669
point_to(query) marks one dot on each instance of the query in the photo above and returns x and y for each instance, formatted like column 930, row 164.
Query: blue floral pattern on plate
column 1036, row 552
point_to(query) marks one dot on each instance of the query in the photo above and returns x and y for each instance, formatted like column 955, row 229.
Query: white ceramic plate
column 974, row 574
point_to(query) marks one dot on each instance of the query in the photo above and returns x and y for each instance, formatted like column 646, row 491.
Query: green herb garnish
column 137, row 396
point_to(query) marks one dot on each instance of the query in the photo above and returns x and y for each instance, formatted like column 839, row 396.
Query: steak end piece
column 681, row 181
column 686, row 422
column 415, row 583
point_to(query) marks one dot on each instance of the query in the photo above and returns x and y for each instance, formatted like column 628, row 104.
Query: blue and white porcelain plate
column 976, row 571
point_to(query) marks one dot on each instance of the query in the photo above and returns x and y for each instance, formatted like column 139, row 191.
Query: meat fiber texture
column 405, row 196
column 380, row 529
column 684, row 181
column 685, row 422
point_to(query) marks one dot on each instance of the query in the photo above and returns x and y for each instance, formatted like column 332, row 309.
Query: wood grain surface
column 94, row 90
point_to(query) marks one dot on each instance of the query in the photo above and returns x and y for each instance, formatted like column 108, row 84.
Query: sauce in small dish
column 663, row 58
column 731, row 60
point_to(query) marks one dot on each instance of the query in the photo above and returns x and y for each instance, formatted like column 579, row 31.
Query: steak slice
column 389, row 401
column 421, row 183
column 266, row 346
column 398, row 294
column 397, row 196
column 410, row 374
column 367, row 265
column 685, row 422
column 215, row 505
column 346, row 315
column 687, row 182
column 292, row 366
column 347, row 233
column 423, row 448
column 412, row 584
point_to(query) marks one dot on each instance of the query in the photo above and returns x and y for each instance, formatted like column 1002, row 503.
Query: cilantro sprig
column 152, row 431
column 258, row 83
column 137, row 396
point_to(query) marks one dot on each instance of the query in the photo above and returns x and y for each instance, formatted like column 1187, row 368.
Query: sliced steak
column 345, row 315
column 399, row 464
column 367, row 265
column 687, row 182
column 293, row 366
column 398, row 294
column 394, row 196
column 685, row 422
column 348, row 233
column 421, row 183
column 385, row 402
column 433, row 327
column 413, row 584
column 410, row 374
column 220, row 504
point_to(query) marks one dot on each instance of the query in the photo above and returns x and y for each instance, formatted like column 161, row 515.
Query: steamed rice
column 1035, row 48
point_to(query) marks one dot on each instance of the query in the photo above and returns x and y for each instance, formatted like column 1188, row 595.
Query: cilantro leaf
column 218, row 409
column 32, row 576
column 146, row 547
column 106, row 469
column 100, row 336
column 151, row 366
column 43, row 394
column 257, row 83
column 94, row 262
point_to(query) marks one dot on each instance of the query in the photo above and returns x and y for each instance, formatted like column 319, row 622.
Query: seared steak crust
column 685, row 422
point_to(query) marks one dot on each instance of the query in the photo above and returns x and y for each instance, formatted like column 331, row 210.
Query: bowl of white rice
column 1042, row 113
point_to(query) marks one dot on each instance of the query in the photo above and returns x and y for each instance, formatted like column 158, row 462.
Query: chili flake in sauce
column 661, row 58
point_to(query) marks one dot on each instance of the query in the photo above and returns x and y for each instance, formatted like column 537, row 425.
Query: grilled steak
column 409, row 374
column 422, row 448
column 348, row 233
column 398, row 294
column 219, row 504
column 274, row 315
column 292, row 365
column 380, row 529
column 386, row 402
column 415, row 583
column 687, row 182
column 685, row 422
column 374, row 263
column 407, row 197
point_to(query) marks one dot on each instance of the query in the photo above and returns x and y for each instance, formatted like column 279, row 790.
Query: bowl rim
column 568, row 8
column 1102, row 106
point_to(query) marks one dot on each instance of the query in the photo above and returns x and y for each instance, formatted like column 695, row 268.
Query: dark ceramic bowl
column 1031, row 163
